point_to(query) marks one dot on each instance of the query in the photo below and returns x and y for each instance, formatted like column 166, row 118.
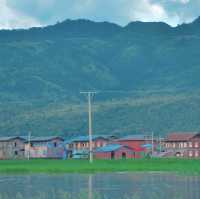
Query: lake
column 100, row 186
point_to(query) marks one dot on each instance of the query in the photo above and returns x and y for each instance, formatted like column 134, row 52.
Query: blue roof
column 109, row 148
column 68, row 141
column 80, row 151
column 146, row 145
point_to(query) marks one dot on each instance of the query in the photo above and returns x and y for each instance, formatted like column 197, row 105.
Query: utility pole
column 29, row 144
column 89, row 95
column 160, row 143
column 152, row 143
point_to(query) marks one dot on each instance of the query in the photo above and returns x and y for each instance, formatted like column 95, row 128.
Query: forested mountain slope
column 42, row 71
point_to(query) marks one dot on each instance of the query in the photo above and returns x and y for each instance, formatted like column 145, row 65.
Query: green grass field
column 83, row 166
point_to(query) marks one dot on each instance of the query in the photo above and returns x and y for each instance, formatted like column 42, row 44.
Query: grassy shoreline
column 83, row 166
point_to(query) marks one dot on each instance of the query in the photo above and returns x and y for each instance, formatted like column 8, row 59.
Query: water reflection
column 100, row 186
column 90, row 188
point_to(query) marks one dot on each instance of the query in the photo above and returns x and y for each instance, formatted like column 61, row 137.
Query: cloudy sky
column 29, row 13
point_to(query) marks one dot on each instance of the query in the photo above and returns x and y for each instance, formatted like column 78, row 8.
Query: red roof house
column 114, row 151
column 136, row 142
column 183, row 144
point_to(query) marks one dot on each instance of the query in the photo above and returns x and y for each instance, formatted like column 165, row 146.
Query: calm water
column 100, row 186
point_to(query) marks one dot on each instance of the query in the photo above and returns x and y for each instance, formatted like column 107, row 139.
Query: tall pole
column 89, row 95
column 90, row 126
column 29, row 144
column 160, row 143
column 152, row 143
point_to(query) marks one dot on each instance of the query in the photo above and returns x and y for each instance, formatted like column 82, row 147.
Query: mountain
column 43, row 70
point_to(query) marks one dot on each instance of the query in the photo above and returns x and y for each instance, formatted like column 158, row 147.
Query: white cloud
column 10, row 18
column 184, row 1
column 181, row 1
column 147, row 11
column 26, row 13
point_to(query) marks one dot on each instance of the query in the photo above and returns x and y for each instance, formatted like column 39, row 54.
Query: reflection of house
column 183, row 144
column 79, row 146
column 137, row 143
column 114, row 151
column 12, row 147
column 44, row 147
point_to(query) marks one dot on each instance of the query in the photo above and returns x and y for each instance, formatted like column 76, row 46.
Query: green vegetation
column 134, row 114
column 83, row 166
column 42, row 71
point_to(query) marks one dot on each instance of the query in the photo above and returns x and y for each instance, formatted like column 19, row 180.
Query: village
column 180, row 145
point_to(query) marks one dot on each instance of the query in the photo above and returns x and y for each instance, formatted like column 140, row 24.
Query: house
column 183, row 144
column 78, row 147
column 45, row 147
column 139, row 143
column 12, row 147
column 114, row 151
column 82, row 142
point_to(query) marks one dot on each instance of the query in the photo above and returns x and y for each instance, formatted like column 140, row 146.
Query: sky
column 33, row 13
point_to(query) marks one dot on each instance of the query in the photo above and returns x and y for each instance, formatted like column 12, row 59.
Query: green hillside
column 42, row 71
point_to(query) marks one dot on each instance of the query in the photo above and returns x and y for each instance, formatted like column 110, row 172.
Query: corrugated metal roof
column 109, row 148
column 44, row 138
column 180, row 136
column 86, row 138
column 8, row 138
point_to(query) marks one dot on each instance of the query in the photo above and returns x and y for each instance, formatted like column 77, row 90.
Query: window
column 196, row 154
column 98, row 144
column 190, row 144
column 196, row 144
column 185, row 144
column 174, row 145
column 190, row 154
column 181, row 145
column 15, row 144
column 16, row 152
column 55, row 144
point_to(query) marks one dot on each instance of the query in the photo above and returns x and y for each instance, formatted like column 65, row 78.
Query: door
column 123, row 155
column 112, row 155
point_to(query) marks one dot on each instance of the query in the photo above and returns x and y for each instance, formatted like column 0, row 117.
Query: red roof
column 180, row 136
column 138, row 149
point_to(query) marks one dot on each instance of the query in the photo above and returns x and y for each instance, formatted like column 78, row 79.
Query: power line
column 141, row 91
